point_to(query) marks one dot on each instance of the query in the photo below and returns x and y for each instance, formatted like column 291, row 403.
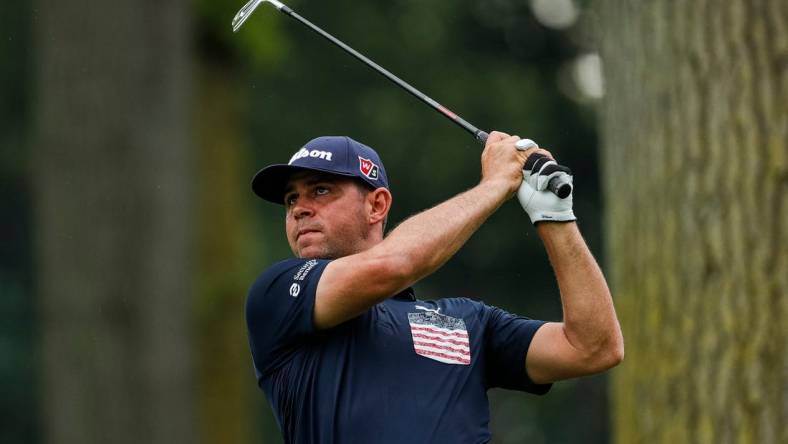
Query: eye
column 320, row 190
column 290, row 199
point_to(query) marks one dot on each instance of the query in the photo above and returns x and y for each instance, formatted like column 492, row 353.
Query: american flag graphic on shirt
column 440, row 337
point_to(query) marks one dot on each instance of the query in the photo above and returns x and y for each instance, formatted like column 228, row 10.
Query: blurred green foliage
column 261, row 45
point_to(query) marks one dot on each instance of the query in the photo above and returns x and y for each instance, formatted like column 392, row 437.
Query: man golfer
column 344, row 350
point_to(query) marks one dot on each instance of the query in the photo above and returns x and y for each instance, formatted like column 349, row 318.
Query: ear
column 378, row 204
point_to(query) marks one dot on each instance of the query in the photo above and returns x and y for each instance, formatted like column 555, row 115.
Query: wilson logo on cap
column 303, row 152
column 368, row 168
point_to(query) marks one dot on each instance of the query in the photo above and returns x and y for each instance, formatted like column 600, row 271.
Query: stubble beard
column 348, row 241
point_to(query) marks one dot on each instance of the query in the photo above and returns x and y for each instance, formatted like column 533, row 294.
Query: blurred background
column 129, row 132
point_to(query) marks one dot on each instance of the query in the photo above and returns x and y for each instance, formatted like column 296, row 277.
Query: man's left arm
column 589, row 339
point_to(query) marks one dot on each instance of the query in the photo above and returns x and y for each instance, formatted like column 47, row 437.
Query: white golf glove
column 541, row 204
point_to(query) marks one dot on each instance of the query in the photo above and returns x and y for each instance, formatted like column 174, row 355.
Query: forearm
column 427, row 240
column 590, row 322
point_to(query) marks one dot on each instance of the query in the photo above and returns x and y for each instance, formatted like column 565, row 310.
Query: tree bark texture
column 112, row 182
column 695, row 129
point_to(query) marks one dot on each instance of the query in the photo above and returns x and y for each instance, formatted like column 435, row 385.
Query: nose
column 302, row 208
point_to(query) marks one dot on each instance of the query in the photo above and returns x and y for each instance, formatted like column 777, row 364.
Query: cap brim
column 270, row 182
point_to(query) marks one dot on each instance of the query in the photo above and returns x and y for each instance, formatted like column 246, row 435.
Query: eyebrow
column 312, row 181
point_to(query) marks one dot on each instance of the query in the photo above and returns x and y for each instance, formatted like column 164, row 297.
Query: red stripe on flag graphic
column 443, row 357
column 436, row 331
column 448, row 341
column 439, row 346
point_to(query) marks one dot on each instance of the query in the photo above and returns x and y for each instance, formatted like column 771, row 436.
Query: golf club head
column 244, row 13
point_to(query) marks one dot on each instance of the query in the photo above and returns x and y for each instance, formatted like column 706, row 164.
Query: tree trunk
column 111, row 176
column 696, row 173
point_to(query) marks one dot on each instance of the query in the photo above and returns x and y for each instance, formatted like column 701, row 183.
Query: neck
column 373, row 238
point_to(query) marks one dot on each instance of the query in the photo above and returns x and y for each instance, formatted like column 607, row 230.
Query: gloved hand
column 540, row 204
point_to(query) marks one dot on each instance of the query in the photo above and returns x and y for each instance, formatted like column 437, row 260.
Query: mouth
column 306, row 231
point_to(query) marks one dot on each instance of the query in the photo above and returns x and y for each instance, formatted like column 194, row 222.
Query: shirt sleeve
column 279, row 310
column 508, row 338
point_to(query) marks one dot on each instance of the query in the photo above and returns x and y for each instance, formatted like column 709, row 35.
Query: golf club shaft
column 462, row 123
column 557, row 185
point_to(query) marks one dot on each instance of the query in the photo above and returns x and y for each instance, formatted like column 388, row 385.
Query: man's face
column 325, row 215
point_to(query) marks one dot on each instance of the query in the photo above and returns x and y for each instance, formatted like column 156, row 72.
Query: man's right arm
column 422, row 243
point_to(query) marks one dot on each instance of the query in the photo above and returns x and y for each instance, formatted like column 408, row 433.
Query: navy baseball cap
column 338, row 155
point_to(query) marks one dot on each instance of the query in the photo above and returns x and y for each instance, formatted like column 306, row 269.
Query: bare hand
column 503, row 163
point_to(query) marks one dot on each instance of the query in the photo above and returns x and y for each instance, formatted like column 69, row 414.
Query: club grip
column 560, row 187
column 557, row 185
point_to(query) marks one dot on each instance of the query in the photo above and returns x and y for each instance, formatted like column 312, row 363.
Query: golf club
column 558, row 185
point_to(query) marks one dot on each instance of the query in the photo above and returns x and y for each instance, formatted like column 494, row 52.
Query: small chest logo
column 368, row 168
column 294, row 290
column 440, row 337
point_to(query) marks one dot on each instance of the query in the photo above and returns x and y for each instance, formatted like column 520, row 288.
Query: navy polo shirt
column 404, row 371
